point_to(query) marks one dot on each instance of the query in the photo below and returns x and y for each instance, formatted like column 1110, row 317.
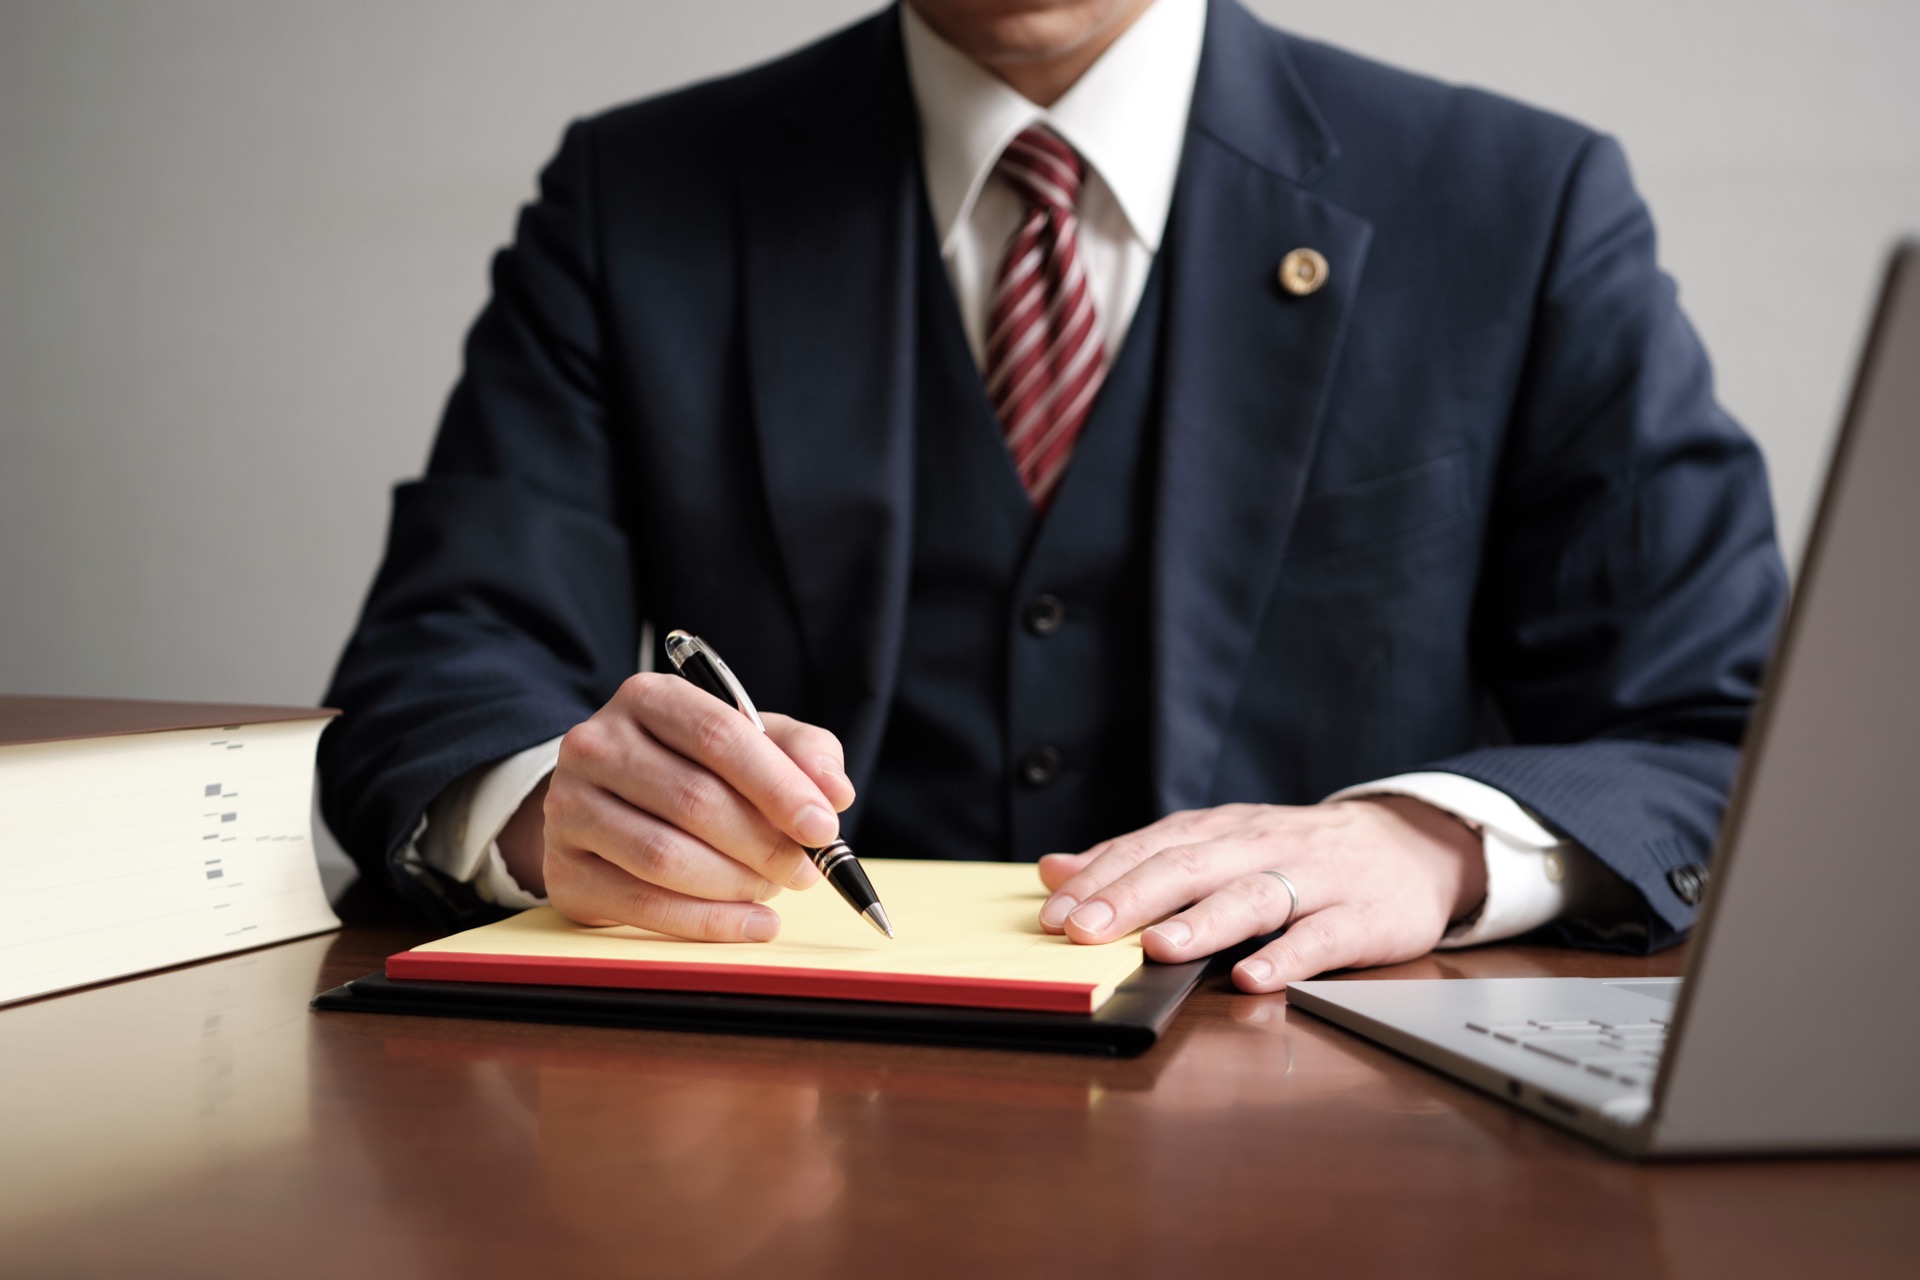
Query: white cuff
column 462, row 838
column 1533, row 876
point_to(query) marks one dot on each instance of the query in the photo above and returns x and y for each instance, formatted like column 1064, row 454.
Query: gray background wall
column 240, row 241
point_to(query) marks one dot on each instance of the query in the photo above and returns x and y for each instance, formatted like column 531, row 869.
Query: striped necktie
column 1044, row 357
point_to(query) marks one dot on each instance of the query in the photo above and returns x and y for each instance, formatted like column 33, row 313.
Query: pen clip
column 683, row 649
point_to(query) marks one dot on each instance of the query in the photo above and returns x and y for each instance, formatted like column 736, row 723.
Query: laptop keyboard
column 1625, row 1051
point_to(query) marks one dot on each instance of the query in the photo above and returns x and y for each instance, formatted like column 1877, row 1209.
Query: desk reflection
column 695, row 1172
column 1262, row 1057
column 202, row 1123
column 1244, row 1129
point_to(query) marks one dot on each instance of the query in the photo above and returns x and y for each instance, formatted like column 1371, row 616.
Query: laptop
column 1797, row 1025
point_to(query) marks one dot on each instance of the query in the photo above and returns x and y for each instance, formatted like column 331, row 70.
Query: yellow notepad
column 968, row 935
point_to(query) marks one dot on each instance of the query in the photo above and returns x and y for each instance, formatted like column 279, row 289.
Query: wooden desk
column 202, row 1122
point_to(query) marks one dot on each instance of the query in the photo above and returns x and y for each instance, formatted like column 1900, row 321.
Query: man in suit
column 1281, row 490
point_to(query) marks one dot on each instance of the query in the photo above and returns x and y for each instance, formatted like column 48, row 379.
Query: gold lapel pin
column 1302, row 272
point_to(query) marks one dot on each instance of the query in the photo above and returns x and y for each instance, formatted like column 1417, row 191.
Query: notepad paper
column 968, row 934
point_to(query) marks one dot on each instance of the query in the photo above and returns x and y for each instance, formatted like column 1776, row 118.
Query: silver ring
column 1292, row 893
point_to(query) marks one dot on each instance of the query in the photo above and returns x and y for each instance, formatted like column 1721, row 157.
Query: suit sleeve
column 505, row 609
column 1633, row 583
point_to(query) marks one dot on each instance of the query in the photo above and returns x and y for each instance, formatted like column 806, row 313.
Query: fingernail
column 804, row 876
column 1173, row 933
column 815, row 826
column 1093, row 917
column 1257, row 970
column 834, row 777
column 761, row 926
column 1054, row 913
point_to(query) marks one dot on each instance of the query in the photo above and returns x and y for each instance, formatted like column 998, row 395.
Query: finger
column 657, row 851
column 649, row 777
column 1331, row 939
column 1243, row 908
column 819, row 755
column 1058, row 868
column 1105, row 863
column 708, row 732
column 1164, row 883
column 1182, row 821
column 593, row 891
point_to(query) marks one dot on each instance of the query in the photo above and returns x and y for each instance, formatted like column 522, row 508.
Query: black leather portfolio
column 1128, row 1024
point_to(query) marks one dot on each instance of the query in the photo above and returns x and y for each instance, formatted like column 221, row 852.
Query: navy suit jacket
column 1470, row 506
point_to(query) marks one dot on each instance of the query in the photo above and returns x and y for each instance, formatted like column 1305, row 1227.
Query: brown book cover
column 25, row 720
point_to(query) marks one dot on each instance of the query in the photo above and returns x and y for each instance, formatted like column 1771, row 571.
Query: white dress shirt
column 1127, row 117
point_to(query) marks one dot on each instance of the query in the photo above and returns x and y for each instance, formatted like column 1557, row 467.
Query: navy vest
column 1019, row 720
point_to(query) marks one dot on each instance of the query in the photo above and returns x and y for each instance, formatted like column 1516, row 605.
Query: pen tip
column 877, row 917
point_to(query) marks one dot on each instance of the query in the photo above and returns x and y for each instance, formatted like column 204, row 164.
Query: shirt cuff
column 1533, row 876
column 462, row 837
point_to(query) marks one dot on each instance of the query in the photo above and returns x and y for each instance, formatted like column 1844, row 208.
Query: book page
column 978, row 920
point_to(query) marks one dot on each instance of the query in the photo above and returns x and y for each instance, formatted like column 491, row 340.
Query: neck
column 1042, row 56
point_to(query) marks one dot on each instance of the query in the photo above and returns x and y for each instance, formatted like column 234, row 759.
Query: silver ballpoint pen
column 695, row 659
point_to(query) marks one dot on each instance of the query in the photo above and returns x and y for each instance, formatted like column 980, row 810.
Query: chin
column 1015, row 31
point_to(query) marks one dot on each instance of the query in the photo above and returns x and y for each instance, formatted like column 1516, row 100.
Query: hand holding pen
column 695, row 659
column 671, row 811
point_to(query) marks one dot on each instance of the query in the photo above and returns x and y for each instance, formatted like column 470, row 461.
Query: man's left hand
column 1379, row 879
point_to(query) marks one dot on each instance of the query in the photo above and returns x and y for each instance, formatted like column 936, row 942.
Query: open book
column 968, row 934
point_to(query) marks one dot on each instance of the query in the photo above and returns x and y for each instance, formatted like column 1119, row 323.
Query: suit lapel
column 1248, row 368
column 828, row 229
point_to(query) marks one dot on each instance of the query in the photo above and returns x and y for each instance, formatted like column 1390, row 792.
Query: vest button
column 1040, row 766
column 1046, row 615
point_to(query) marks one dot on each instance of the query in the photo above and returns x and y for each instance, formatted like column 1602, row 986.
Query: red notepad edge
column 743, row 979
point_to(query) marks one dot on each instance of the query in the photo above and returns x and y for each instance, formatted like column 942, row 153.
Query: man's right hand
column 670, row 811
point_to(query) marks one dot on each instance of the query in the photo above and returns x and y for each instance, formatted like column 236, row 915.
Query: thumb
column 819, row 755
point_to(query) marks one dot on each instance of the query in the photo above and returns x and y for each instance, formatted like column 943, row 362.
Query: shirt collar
column 1127, row 116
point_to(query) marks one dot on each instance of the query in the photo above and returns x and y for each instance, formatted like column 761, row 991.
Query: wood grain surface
column 203, row 1122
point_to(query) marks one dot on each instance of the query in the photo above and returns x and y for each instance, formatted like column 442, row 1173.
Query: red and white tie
column 1044, row 356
